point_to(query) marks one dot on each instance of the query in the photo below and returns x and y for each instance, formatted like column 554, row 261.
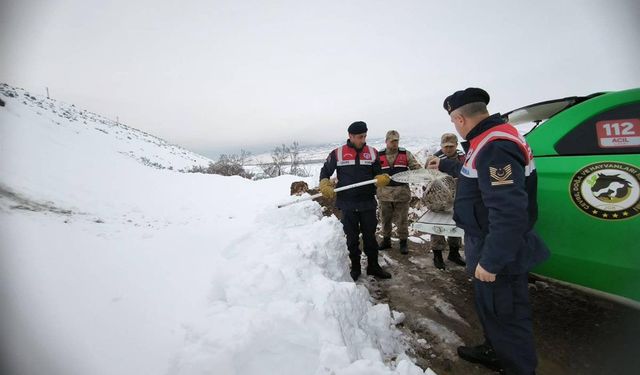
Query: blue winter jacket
column 497, row 219
column 357, row 199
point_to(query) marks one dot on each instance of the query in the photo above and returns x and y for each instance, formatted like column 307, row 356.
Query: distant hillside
column 155, row 152
column 419, row 146
column 136, row 144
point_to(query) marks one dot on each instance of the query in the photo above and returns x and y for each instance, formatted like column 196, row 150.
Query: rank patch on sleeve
column 501, row 176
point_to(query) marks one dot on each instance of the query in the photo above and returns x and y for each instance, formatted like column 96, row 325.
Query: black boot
column 374, row 269
column 355, row 272
column 385, row 244
column 482, row 354
column 437, row 259
column 403, row 247
column 454, row 256
column 356, row 269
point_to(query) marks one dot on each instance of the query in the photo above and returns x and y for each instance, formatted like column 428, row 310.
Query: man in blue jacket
column 356, row 162
column 496, row 205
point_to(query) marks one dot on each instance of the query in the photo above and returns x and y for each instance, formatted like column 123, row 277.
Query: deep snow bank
column 110, row 266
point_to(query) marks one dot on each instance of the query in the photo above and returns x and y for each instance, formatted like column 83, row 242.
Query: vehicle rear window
column 616, row 131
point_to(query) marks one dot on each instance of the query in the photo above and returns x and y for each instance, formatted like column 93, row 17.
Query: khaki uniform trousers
column 440, row 242
column 394, row 208
column 395, row 212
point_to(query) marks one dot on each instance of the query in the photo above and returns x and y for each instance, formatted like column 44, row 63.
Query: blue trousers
column 505, row 313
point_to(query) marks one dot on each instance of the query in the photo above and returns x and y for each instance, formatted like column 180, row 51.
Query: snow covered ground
column 113, row 262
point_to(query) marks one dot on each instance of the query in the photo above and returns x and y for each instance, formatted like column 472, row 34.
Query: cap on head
column 392, row 135
column 357, row 127
column 466, row 96
column 449, row 139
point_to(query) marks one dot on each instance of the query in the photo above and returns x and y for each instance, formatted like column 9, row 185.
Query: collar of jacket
column 354, row 147
column 484, row 125
column 388, row 152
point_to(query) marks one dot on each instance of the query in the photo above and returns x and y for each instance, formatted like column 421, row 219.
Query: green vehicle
column 587, row 154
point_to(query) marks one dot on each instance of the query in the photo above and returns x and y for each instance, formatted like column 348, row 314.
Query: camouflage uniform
column 439, row 243
column 394, row 198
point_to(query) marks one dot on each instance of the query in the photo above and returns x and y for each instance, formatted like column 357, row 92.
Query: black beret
column 358, row 127
column 462, row 97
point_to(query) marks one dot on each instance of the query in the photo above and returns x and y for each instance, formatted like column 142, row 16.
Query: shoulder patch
column 501, row 175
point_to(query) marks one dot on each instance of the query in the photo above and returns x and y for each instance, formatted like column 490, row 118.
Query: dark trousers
column 505, row 313
column 355, row 222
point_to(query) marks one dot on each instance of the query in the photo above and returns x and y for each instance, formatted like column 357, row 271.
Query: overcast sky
column 215, row 76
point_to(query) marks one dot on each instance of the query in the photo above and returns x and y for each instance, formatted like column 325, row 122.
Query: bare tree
column 279, row 157
column 244, row 157
column 296, row 167
column 285, row 160
column 227, row 165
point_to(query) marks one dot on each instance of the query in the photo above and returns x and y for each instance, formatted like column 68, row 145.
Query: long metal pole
column 416, row 176
column 368, row 182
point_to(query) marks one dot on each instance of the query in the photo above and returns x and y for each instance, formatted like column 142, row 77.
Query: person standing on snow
column 450, row 161
column 394, row 198
column 496, row 205
column 355, row 162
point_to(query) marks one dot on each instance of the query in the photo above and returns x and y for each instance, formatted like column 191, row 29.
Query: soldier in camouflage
column 394, row 198
column 448, row 150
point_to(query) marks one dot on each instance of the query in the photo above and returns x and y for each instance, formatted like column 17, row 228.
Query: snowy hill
column 103, row 133
column 115, row 263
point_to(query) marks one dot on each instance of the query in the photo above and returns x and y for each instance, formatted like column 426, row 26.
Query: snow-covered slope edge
column 109, row 266
column 129, row 141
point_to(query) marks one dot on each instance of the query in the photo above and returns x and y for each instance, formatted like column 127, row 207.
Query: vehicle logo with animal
column 607, row 190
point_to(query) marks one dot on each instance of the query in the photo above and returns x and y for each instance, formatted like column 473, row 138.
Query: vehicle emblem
column 607, row 190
